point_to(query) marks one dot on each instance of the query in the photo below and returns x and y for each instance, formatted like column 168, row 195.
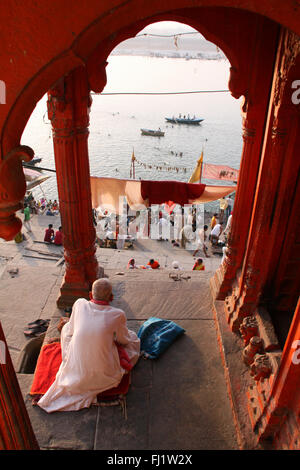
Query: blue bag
column 157, row 335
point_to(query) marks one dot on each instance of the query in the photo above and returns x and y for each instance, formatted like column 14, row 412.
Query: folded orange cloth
column 46, row 369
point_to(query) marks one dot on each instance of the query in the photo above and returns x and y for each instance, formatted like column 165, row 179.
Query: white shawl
column 90, row 360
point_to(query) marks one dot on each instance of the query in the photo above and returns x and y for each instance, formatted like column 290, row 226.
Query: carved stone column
column 253, row 81
column 69, row 104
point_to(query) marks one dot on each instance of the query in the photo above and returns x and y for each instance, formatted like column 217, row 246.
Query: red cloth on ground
column 48, row 364
column 170, row 192
column 58, row 238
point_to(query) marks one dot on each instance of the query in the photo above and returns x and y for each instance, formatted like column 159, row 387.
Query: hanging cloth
column 109, row 193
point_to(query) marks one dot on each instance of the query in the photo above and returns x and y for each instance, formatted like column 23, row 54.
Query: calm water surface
column 115, row 121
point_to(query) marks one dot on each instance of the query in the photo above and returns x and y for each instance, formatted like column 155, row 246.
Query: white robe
column 90, row 360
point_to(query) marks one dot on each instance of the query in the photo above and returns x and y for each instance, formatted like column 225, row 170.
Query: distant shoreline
column 187, row 55
column 181, row 48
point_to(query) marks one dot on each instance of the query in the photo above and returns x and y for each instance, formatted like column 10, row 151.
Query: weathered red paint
column 16, row 432
column 276, row 183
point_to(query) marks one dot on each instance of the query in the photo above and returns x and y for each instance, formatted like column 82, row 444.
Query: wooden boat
column 184, row 120
column 157, row 133
column 32, row 162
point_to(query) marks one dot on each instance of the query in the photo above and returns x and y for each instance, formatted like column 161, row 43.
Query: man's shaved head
column 101, row 289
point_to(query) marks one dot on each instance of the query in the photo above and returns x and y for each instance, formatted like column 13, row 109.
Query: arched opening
column 166, row 70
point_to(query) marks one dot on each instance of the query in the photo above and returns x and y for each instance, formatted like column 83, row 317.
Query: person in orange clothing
column 213, row 221
column 198, row 266
column 153, row 264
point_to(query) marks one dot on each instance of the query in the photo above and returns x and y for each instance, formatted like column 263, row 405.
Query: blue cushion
column 157, row 335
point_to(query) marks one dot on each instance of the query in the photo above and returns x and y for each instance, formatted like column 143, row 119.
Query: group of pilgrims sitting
column 153, row 264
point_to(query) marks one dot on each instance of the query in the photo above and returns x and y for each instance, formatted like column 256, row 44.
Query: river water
column 116, row 120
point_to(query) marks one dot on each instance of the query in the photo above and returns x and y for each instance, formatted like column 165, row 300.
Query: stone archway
column 67, row 39
column 87, row 54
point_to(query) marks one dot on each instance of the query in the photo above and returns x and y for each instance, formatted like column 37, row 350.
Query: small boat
column 157, row 133
column 32, row 162
column 184, row 120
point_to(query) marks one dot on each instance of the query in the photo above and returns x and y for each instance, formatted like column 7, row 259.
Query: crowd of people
column 179, row 227
column 44, row 207
column 216, row 233
column 154, row 264
column 81, row 376
column 51, row 237
column 41, row 206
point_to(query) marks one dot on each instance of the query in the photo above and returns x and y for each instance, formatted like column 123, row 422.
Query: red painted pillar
column 69, row 104
column 15, row 428
column 254, row 83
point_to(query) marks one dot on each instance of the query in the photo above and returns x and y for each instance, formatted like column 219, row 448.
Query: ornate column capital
column 12, row 190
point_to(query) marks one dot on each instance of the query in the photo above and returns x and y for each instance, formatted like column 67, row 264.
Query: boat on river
column 184, row 120
column 155, row 133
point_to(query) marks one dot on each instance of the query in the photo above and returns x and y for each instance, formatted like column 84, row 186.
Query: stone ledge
column 237, row 377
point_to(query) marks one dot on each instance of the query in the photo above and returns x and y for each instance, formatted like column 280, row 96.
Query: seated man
column 58, row 237
column 90, row 360
column 153, row 264
column 49, row 234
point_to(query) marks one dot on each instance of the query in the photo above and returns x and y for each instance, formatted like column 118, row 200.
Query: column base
column 70, row 292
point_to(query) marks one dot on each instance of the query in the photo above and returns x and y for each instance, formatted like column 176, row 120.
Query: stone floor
column 177, row 402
